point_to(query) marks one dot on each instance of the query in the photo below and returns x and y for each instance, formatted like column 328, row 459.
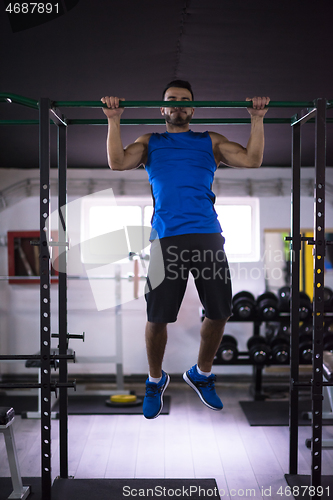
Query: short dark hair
column 182, row 84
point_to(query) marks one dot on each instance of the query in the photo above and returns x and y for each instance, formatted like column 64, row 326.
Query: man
column 181, row 165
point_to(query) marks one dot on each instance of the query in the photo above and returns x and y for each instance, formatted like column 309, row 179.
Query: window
column 105, row 229
column 239, row 219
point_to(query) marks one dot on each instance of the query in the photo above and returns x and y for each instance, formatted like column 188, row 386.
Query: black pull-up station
column 49, row 113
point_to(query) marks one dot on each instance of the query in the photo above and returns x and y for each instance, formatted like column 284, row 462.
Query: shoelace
column 152, row 390
column 209, row 384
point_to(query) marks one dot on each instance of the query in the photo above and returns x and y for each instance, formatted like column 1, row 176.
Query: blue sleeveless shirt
column 181, row 169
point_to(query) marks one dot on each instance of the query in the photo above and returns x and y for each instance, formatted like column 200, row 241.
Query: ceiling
column 227, row 49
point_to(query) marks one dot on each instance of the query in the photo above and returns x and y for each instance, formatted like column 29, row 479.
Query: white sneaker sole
column 162, row 393
column 190, row 383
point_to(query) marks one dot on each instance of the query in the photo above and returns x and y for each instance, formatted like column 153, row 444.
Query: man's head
column 178, row 118
column 181, row 84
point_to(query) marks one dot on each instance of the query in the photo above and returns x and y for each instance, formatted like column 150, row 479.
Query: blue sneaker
column 153, row 401
column 204, row 387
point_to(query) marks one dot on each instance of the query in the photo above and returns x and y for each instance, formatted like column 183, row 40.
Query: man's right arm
column 119, row 158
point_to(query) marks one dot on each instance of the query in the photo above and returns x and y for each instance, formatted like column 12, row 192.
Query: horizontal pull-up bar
column 185, row 104
column 160, row 121
column 18, row 99
column 194, row 121
column 32, row 103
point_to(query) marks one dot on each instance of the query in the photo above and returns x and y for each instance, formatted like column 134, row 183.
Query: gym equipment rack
column 48, row 113
column 319, row 244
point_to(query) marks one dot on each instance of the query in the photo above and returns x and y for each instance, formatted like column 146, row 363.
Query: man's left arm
column 235, row 155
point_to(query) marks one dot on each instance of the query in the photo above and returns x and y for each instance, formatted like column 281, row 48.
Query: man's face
column 177, row 115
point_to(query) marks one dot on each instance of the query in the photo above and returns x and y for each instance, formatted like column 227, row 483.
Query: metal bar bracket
column 306, row 115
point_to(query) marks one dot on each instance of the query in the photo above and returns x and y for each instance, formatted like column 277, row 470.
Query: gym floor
column 191, row 442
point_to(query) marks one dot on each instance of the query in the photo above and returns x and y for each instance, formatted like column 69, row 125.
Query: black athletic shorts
column 171, row 260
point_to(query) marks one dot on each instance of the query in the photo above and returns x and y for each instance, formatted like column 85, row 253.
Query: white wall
column 19, row 304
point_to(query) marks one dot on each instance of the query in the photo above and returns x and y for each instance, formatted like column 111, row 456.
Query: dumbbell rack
column 244, row 356
column 256, row 387
column 244, row 359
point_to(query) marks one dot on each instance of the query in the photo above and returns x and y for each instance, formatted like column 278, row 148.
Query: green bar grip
column 160, row 121
column 21, row 122
column 185, row 104
column 18, row 99
column 25, row 101
column 194, row 121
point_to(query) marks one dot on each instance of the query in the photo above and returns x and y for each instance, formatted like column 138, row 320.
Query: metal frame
column 25, row 101
column 318, row 292
column 294, row 298
column 62, row 298
column 45, row 295
column 160, row 121
column 318, row 241
column 48, row 114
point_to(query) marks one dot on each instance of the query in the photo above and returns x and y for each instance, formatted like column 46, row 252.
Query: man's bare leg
column 211, row 335
column 156, row 339
column 203, row 382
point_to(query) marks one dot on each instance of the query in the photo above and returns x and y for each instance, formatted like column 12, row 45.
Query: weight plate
column 284, row 293
column 256, row 340
column 267, row 295
column 123, row 398
column 138, row 402
column 245, row 295
column 228, row 339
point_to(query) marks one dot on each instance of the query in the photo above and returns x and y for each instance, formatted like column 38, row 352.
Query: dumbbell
column 227, row 351
column 271, row 330
column 259, row 350
column 285, row 328
column 328, row 336
column 267, row 306
column 280, row 348
column 284, row 299
column 328, row 341
column 329, row 326
column 306, row 327
column 305, row 343
column 305, row 306
column 328, row 299
column 243, row 305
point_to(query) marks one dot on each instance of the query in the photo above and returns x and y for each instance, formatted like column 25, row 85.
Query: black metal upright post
column 294, row 302
column 45, row 282
column 62, row 298
column 318, row 294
